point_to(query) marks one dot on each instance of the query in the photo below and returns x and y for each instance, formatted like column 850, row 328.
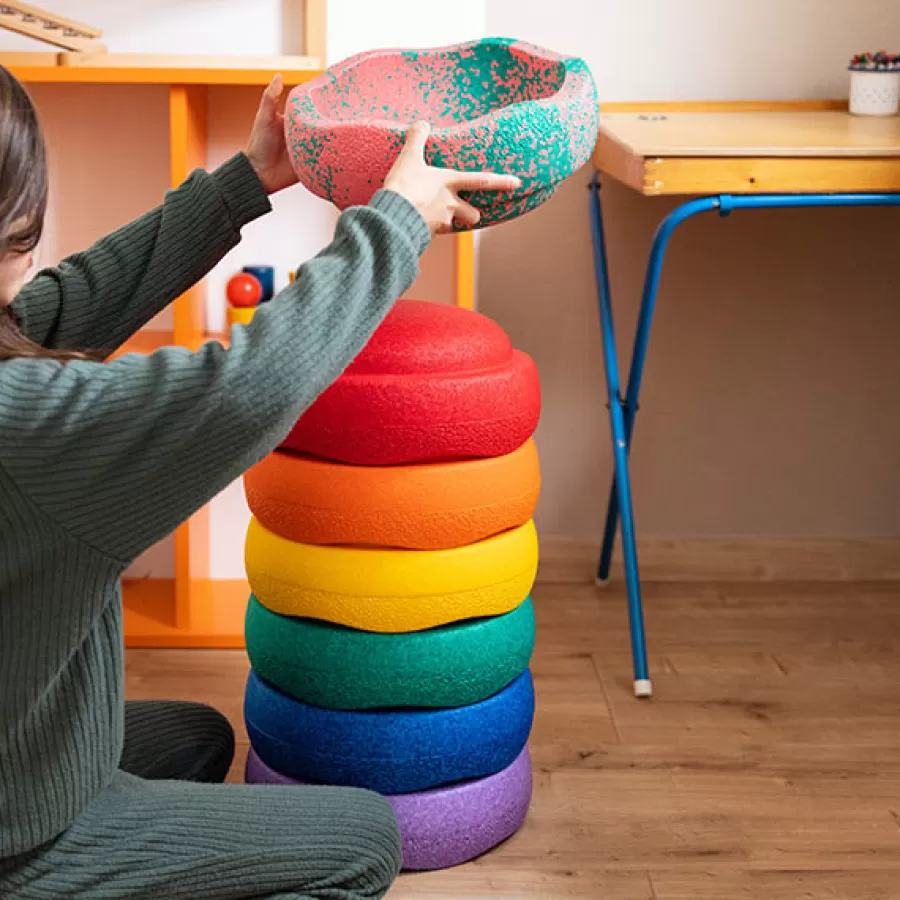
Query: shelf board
column 166, row 70
column 147, row 341
column 216, row 618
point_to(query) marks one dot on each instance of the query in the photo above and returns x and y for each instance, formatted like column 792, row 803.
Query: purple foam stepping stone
column 446, row 826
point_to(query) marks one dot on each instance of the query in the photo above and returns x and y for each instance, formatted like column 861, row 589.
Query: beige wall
column 772, row 395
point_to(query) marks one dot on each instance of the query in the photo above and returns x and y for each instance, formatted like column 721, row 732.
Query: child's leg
column 174, row 740
column 146, row 840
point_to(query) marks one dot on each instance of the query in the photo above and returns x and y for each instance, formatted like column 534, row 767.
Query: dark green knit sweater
column 98, row 461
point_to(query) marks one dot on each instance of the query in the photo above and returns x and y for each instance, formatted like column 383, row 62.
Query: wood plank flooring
column 767, row 766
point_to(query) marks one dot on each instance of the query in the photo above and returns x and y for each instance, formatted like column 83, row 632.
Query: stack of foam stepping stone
column 391, row 557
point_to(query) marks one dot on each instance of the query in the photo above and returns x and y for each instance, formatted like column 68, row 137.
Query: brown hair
column 23, row 201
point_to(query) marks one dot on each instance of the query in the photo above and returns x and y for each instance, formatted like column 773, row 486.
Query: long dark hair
column 23, row 201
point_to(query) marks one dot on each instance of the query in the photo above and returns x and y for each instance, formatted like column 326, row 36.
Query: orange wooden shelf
column 215, row 618
column 190, row 610
column 193, row 610
column 141, row 75
column 146, row 341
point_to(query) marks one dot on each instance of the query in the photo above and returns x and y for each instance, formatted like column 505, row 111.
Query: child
column 100, row 460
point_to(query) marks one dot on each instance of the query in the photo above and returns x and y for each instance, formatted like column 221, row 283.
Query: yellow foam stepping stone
column 384, row 590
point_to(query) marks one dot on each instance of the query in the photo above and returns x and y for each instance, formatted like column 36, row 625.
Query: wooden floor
column 767, row 765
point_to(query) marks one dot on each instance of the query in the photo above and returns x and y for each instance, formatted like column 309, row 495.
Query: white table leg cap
column 643, row 688
column 601, row 582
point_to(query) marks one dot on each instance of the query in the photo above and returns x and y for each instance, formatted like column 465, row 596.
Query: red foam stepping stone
column 434, row 382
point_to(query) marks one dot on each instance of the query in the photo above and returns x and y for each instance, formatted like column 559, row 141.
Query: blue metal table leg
column 609, row 536
column 642, row 685
column 623, row 410
column 639, row 352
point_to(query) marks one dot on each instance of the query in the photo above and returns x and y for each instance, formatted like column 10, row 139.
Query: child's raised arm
column 97, row 299
column 120, row 453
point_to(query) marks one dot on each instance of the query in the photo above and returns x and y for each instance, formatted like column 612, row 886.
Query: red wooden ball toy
column 243, row 290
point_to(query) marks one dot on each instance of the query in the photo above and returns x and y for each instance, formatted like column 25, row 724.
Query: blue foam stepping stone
column 393, row 751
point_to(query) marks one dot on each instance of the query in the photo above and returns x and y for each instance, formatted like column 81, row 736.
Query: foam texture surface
column 339, row 668
column 494, row 105
column 389, row 751
column 446, row 826
column 435, row 382
column 391, row 590
column 429, row 506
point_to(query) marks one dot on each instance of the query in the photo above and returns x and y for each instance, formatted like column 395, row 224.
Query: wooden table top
column 739, row 150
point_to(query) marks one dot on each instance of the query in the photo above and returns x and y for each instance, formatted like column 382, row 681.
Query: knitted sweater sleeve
column 120, row 453
column 97, row 299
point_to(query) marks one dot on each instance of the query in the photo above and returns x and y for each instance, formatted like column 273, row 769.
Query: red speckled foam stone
column 434, row 382
column 496, row 104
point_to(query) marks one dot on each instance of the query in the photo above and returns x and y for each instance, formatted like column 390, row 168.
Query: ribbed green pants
column 163, row 830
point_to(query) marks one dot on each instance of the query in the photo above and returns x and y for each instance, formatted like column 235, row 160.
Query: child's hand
column 435, row 192
column 266, row 149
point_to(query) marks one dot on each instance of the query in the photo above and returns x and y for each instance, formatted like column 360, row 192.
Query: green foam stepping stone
column 340, row 668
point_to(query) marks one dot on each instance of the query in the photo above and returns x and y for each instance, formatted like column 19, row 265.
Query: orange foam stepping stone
column 429, row 506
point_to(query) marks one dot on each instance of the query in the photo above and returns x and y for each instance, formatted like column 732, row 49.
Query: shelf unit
column 192, row 609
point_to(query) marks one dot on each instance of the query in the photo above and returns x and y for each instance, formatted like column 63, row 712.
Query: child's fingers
column 268, row 104
column 482, row 181
column 416, row 137
column 466, row 214
column 275, row 88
